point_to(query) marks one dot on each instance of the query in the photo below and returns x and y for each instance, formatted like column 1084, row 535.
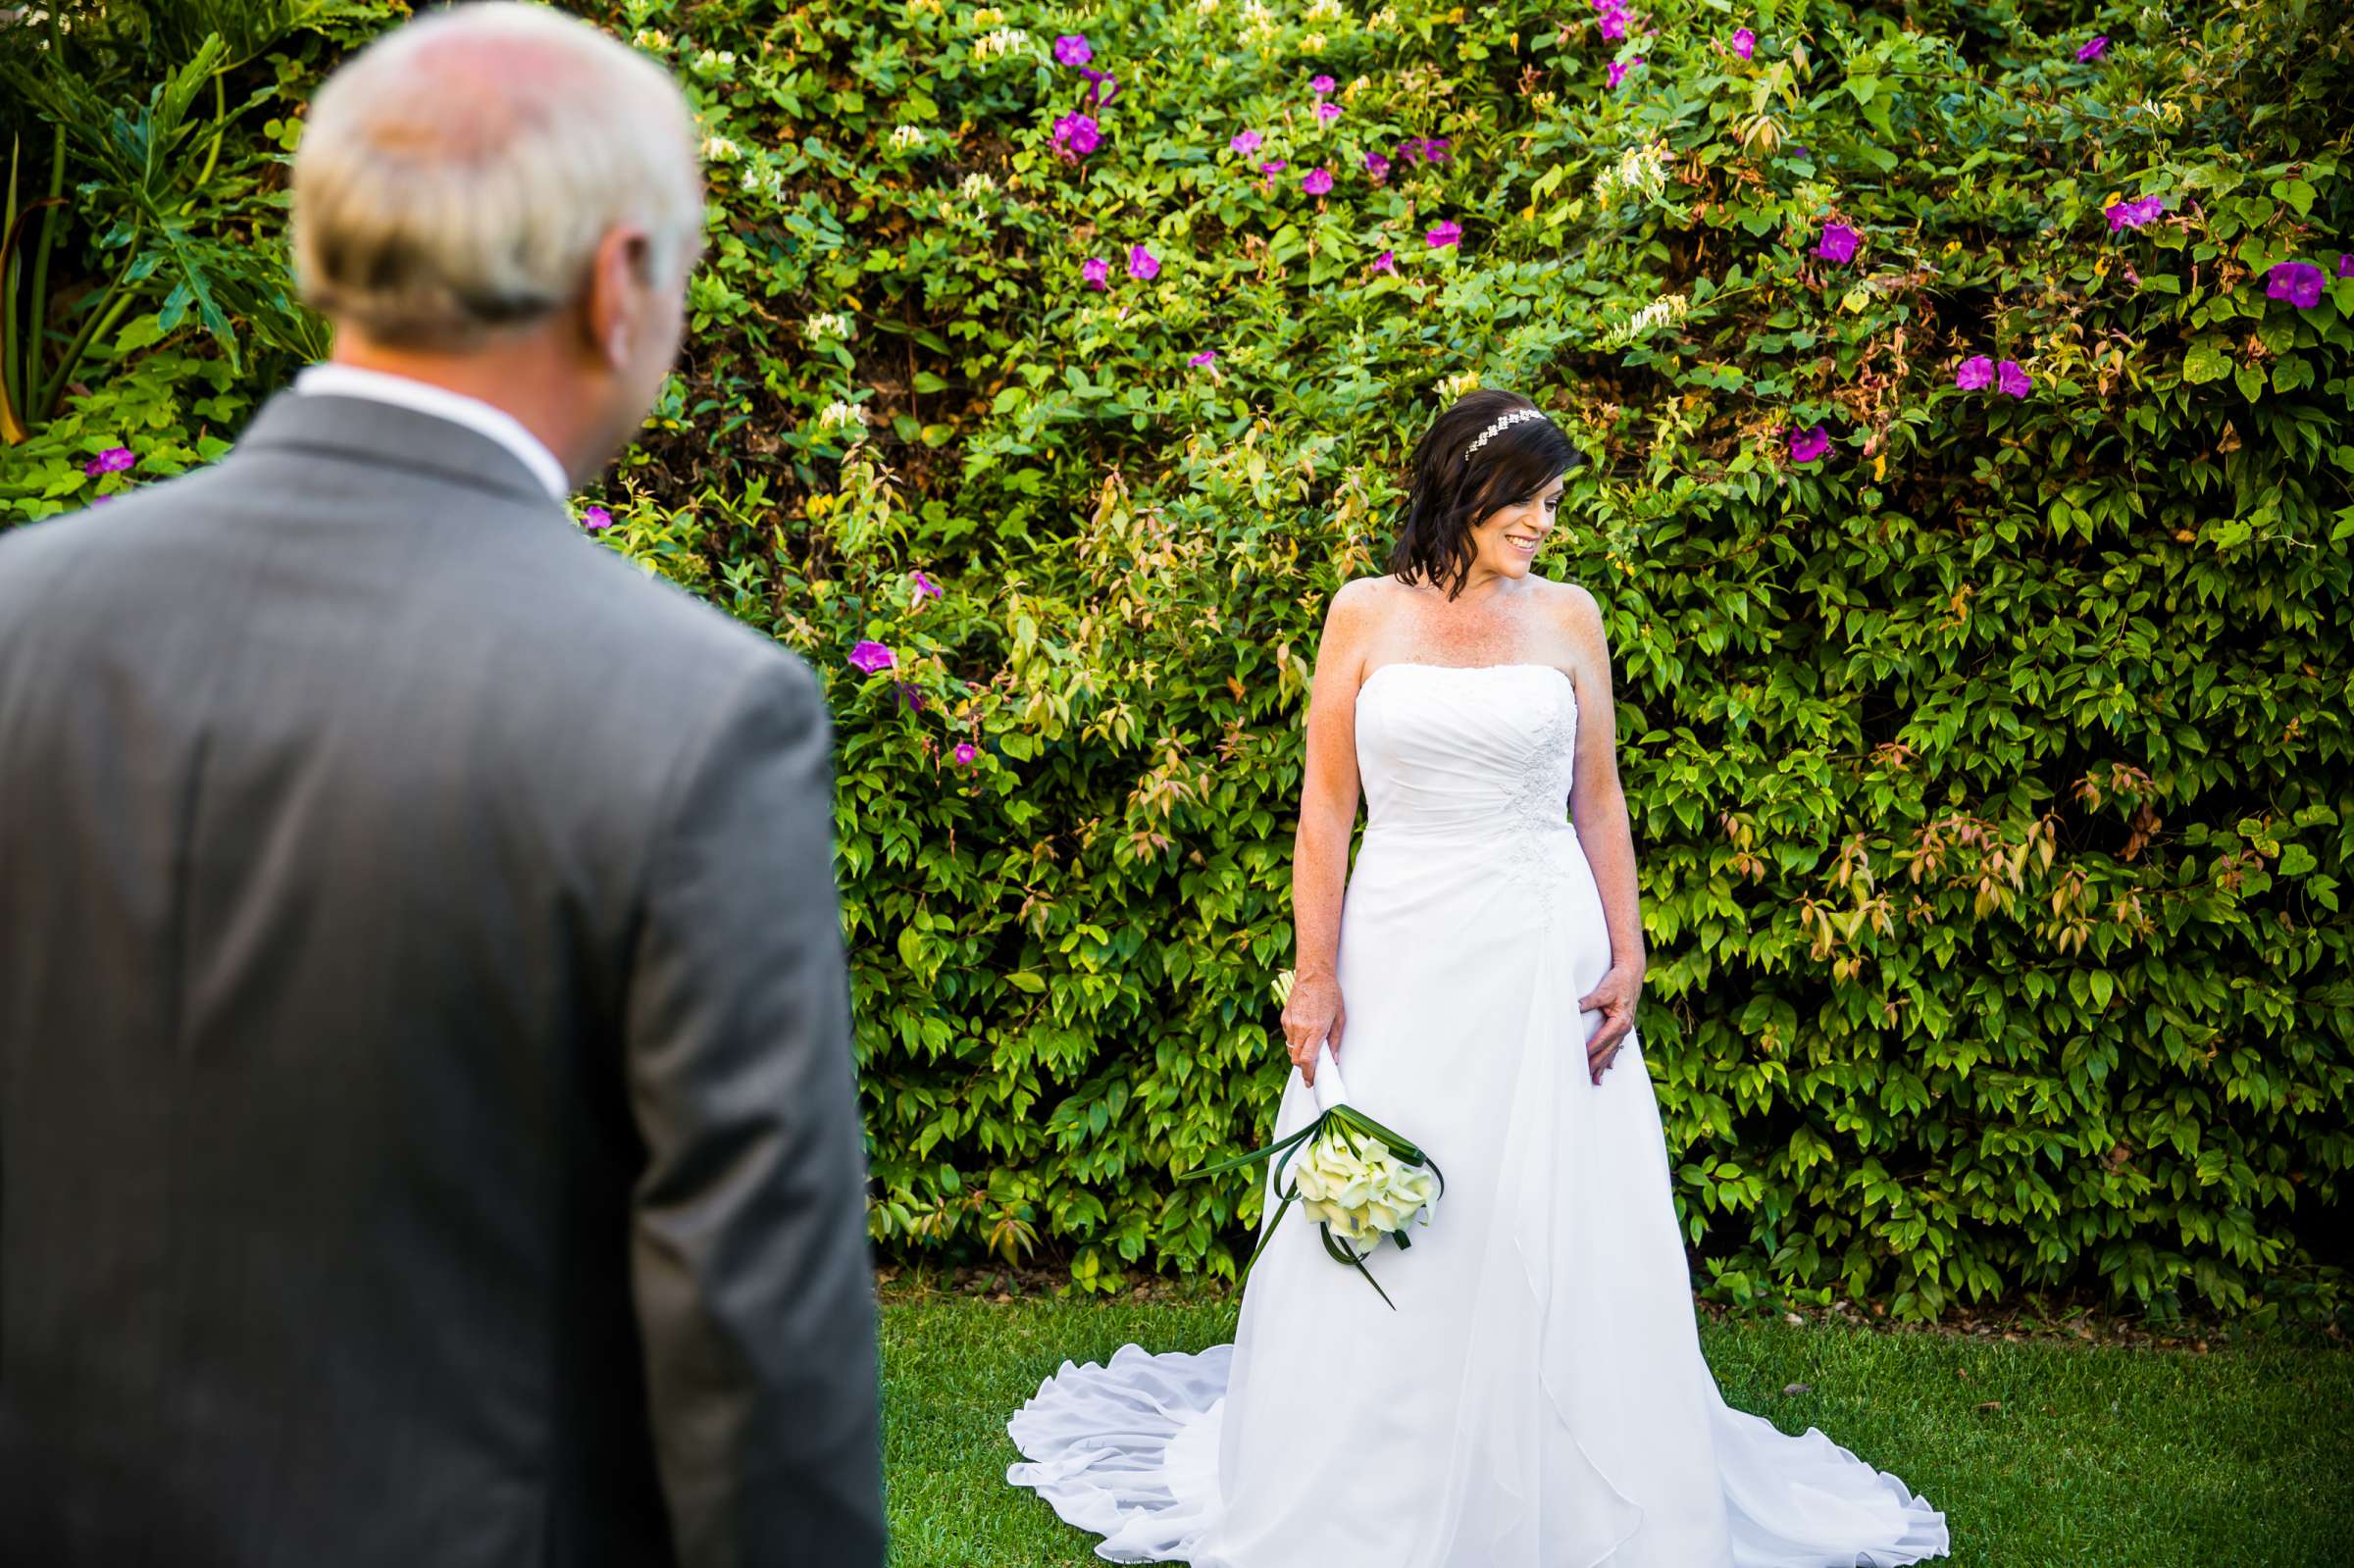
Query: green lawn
column 2101, row 1456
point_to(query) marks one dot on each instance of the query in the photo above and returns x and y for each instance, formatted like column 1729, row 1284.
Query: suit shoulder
column 35, row 556
column 699, row 651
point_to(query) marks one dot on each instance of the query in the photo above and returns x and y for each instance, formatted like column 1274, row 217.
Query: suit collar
column 364, row 429
column 403, row 391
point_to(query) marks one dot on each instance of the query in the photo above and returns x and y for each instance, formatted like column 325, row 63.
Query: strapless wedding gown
column 1538, row 1400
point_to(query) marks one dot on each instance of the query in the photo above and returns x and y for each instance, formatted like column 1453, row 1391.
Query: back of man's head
column 457, row 176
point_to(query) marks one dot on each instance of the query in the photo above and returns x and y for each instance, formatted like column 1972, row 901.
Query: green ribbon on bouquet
column 1350, row 1124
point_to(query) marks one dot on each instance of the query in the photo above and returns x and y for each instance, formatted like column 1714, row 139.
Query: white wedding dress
column 1538, row 1400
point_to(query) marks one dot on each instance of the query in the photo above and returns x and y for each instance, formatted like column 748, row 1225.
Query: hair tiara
column 1512, row 418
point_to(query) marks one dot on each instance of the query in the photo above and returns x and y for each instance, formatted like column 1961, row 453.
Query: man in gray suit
column 427, row 1126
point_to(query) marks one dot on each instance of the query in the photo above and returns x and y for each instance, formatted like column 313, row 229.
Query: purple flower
column 1411, row 148
column 1620, row 68
column 1244, row 142
column 2298, row 282
column 1093, row 271
column 1328, row 112
column 1319, row 86
column 1447, row 233
column 872, row 657
column 2133, row 214
column 1074, row 49
column 1386, row 262
column 1142, row 264
column 1434, row 148
column 2345, row 265
column 966, row 751
column 925, row 587
column 1614, row 25
column 1075, row 136
column 114, row 460
column 1808, row 445
column 910, row 696
column 2011, row 381
column 1974, row 372
column 1378, row 167
column 1206, row 356
column 1100, row 85
column 1274, row 165
column 1837, row 244
column 595, row 519
column 2091, row 51
column 1315, row 181
column 1744, row 42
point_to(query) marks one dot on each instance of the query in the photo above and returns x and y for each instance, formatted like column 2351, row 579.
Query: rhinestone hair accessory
column 1512, row 418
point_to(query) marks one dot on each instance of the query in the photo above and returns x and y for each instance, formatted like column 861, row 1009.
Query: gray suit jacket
column 428, row 1130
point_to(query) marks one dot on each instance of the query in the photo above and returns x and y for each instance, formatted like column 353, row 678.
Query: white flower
column 1313, row 44
column 652, row 38
column 906, row 136
column 1665, row 311
column 829, row 327
column 1205, row 8
column 720, row 150
column 1360, row 1189
column 976, row 186
column 837, row 415
column 770, row 182
column 1640, row 171
column 1000, row 42
column 712, row 62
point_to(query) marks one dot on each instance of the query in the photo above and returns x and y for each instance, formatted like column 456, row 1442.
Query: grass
column 2041, row 1452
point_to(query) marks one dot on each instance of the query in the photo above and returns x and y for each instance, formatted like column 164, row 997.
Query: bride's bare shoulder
column 1365, row 590
column 1364, row 600
column 1572, row 602
column 1352, row 622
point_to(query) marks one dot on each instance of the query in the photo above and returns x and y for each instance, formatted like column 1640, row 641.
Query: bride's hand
column 1615, row 994
column 1313, row 1013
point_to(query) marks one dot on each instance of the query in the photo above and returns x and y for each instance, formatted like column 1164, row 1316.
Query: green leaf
column 2205, row 361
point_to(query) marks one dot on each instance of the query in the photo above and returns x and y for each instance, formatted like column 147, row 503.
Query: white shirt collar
column 383, row 386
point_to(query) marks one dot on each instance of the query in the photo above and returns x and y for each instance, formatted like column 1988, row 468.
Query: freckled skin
column 1505, row 614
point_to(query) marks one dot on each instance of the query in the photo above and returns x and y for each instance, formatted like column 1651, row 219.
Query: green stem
column 103, row 317
column 212, row 159
column 36, row 304
column 9, row 391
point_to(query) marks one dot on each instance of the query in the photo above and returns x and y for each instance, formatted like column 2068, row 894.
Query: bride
column 1538, row 1398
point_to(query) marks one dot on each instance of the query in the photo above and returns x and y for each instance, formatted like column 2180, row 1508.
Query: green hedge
column 1988, row 769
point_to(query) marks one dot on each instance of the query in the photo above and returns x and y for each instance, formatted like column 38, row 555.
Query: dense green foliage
column 1988, row 770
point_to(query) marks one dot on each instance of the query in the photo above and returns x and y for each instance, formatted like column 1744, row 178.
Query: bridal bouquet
column 1360, row 1181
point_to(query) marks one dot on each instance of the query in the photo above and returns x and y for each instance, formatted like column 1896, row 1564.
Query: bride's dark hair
column 1449, row 495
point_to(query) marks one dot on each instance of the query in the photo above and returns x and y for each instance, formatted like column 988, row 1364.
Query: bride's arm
column 1327, row 812
column 1598, row 806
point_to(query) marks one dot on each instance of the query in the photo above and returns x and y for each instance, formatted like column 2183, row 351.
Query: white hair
column 458, row 174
